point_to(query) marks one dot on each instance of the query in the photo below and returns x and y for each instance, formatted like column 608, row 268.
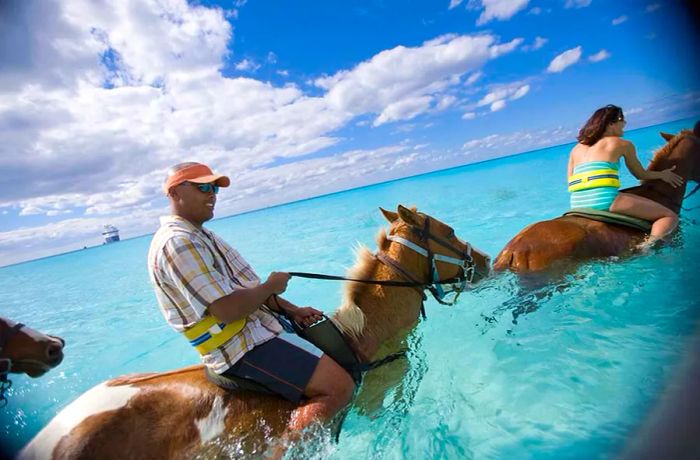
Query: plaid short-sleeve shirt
column 190, row 269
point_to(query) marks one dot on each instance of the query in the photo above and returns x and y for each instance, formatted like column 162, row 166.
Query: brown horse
column 552, row 246
column 25, row 351
column 180, row 414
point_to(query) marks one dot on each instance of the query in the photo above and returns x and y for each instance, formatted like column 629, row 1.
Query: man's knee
column 330, row 379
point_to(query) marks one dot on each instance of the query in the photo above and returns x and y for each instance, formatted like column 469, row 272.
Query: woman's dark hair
column 594, row 128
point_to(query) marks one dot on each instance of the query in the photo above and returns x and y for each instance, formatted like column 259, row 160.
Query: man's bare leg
column 328, row 391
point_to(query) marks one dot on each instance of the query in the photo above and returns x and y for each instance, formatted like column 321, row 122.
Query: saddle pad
column 610, row 218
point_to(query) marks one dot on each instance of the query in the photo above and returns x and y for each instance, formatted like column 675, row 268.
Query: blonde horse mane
column 666, row 150
column 349, row 317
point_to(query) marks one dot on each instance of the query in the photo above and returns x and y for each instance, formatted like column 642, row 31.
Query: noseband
column 6, row 363
column 464, row 261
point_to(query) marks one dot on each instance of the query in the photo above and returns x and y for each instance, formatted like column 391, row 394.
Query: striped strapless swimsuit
column 594, row 184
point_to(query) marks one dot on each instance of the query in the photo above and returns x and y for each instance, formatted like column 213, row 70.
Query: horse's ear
column 389, row 215
column 667, row 136
column 410, row 216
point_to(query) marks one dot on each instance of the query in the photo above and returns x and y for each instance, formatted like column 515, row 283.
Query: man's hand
column 306, row 316
column 277, row 282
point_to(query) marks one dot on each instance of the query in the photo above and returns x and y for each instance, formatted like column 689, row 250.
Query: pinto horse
column 180, row 414
column 25, row 351
column 553, row 245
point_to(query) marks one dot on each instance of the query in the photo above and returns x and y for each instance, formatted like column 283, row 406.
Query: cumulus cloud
column 498, row 95
column 577, row 3
column 501, row 10
column 468, row 116
column 401, row 83
column 247, row 65
column 599, row 56
column 565, row 59
column 112, row 94
column 619, row 20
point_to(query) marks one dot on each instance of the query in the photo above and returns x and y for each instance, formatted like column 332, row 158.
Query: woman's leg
column 664, row 220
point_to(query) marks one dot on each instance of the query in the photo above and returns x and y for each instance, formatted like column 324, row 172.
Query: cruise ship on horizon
column 110, row 233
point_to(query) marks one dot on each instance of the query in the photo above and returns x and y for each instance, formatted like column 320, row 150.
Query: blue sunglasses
column 205, row 188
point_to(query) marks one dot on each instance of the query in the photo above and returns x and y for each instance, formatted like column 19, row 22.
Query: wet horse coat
column 175, row 414
column 554, row 245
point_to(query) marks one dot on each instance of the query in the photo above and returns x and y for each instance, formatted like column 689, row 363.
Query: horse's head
column 26, row 351
column 445, row 256
column 681, row 150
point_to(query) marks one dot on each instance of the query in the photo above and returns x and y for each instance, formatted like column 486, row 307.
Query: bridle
column 6, row 363
column 434, row 284
column 464, row 261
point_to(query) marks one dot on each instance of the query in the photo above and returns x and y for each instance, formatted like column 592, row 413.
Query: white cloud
column 599, row 56
column 498, row 105
column 652, row 7
column 634, row 110
column 565, row 59
column 577, row 3
column 454, row 4
column 501, row 10
column 498, row 96
column 499, row 93
column 247, row 65
column 113, row 94
column 405, row 109
column 538, row 43
column 469, row 116
column 402, row 82
column 495, row 145
column 445, row 102
column 473, row 78
column 522, row 91
column 619, row 20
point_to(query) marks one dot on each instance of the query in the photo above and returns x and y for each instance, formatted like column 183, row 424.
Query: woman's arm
column 638, row 171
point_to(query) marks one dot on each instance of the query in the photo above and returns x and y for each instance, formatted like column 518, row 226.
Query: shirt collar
column 178, row 221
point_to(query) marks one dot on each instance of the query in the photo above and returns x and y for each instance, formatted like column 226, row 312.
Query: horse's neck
column 389, row 311
column 662, row 192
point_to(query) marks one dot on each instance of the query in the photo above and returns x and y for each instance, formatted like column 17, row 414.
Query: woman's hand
column 668, row 176
column 306, row 316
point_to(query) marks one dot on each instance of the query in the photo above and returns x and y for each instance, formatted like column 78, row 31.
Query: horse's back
column 552, row 243
column 165, row 415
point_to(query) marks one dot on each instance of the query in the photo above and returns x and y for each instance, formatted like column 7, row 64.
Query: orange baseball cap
column 197, row 173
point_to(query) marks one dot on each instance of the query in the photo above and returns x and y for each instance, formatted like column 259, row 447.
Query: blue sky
column 298, row 99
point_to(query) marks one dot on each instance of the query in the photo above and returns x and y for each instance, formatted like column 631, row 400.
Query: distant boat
column 110, row 233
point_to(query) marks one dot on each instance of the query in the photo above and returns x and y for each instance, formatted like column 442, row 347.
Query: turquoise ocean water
column 571, row 378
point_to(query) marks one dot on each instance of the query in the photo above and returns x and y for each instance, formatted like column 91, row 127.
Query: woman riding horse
column 593, row 174
column 552, row 246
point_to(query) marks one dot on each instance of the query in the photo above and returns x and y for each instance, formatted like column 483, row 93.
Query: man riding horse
column 210, row 294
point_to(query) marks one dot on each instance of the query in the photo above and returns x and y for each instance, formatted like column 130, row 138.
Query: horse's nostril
column 54, row 351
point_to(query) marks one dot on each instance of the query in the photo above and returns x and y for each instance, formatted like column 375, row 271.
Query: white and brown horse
column 25, row 351
column 556, row 245
column 180, row 414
